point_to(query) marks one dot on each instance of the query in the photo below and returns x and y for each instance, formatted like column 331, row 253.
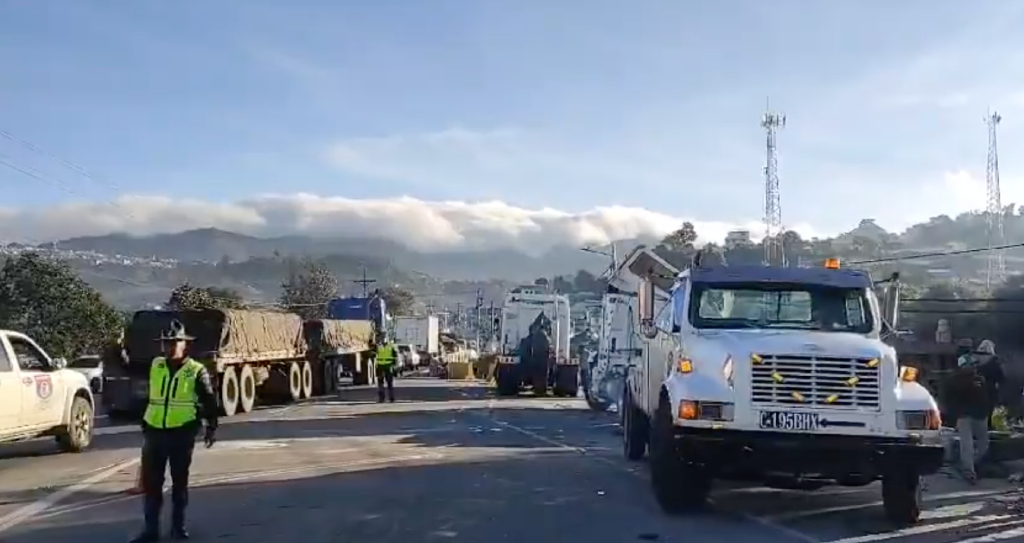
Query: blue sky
column 570, row 104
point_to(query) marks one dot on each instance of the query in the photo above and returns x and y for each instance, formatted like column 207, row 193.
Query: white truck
column 603, row 374
column 778, row 376
column 39, row 397
column 559, row 370
column 423, row 333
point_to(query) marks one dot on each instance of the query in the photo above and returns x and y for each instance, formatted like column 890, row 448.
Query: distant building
column 737, row 238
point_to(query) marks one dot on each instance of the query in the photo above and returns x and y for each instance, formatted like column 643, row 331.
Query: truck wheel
column 679, row 485
column 508, row 384
column 307, row 380
column 229, row 392
column 540, row 384
column 635, row 430
column 77, row 435
column 901, row 496
column 329, row 373
column 246, row 389
column 294, row 382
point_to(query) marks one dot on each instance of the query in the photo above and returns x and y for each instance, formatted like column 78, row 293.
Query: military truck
column 253, row 356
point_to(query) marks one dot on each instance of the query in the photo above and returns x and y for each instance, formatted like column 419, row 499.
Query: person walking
column 180, row 394
column 384, row 363
column 991, row 369
column 967, row 398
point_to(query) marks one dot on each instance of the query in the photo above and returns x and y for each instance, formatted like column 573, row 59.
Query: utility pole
column 996, row 272
column 773, row 250
column 478, row 326
column 365, row 283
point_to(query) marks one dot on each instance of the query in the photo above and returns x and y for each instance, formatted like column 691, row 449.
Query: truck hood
column 743, row 343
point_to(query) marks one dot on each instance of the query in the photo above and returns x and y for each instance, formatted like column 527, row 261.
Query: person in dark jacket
column 180, row 395
column 991, row 369
column 967, row 399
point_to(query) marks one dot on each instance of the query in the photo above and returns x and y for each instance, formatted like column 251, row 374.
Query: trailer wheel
column 294, row 382
column 229, row 392
column 307, row 380
column 328, row 377
column 246, row 389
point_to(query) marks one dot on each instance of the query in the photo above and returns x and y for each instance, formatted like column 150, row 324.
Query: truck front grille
column 815, row 381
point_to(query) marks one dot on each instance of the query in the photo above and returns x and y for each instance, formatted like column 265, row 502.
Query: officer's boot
column 178, row 530
column 380, row 394
column 151, row 509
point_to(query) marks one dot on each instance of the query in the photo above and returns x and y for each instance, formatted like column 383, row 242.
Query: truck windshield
column 775, row 305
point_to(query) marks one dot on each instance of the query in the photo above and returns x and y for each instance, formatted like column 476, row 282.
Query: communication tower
column 994, row 207
column 773, row 250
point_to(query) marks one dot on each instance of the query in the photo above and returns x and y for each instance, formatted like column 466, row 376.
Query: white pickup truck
column 39, row 397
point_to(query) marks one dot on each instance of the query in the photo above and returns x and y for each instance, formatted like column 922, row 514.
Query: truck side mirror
column 645, row 306
column 891, row 304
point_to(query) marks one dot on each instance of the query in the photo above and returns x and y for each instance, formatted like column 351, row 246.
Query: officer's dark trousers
column 386, row 376
column 163, row 447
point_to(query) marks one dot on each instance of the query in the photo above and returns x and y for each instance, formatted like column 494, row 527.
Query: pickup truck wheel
column 294, row 382
column 679, row 485
column 246, row 389
column 229, row 392
column 901, row 496
column 77, row 435
column 307, row 380
column 635, row 430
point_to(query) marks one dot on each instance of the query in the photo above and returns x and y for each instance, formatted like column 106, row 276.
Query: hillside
column 256, row 266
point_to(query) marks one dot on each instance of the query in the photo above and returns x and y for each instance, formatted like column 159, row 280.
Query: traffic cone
column 137, row 488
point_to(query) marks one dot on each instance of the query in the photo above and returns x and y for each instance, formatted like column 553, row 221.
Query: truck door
column 11, row 391
column 42, row 387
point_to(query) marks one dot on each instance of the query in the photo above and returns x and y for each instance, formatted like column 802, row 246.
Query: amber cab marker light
column 908, row 374
column 832, row 263
column 685, row 365
column 687, row 410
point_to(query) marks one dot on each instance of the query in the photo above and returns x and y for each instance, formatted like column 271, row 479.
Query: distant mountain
column 212, row 245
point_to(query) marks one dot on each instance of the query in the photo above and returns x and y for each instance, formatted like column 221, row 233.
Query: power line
column 938, row 254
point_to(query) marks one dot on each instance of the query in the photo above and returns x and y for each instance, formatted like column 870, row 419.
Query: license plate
column 784, row 420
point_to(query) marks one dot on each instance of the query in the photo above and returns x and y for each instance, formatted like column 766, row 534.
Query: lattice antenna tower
column 994, row 207
column 773, row 250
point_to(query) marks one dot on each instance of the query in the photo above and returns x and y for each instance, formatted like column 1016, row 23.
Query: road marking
column 997, row 536
column 767, row 523
column 33, row 509
column 926, row 529
column 239, row 477
column 793, row 515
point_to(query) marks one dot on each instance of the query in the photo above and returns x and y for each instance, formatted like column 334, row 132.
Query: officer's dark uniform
column 177, row 391
column 384, row 363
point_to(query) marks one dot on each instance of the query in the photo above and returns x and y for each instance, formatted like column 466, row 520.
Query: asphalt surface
column 448, row 462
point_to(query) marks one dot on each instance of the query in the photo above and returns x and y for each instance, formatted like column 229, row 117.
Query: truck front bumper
column 747, row 454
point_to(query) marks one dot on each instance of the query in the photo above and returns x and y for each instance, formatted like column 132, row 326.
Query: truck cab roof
column 824, row 277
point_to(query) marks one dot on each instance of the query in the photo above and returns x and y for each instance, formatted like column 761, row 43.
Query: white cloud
column 423, row 225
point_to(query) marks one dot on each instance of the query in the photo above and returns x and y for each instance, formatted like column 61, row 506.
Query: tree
column 310, row 285
column 186, row 296
column 47, row 300
column 682, row 239
column 399, row 301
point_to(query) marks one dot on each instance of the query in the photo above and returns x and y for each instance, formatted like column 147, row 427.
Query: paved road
column 446, row 463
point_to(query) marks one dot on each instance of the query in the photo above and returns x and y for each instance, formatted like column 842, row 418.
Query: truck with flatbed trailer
column 778, row 376
column 253, row 356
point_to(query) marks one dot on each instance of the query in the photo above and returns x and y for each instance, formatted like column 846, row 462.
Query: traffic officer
column 384, row 362
column 178, row 388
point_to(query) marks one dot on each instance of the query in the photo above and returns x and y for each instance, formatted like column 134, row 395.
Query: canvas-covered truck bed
column 253, row 356
column 336, row 349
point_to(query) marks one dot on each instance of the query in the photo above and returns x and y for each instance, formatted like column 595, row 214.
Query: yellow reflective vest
column 172, row 400
column 385, row 355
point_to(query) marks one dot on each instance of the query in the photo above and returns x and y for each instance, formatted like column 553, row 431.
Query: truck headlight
column 919, row 420
column 716, row 411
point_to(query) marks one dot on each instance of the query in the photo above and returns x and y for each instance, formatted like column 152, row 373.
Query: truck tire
column 679, row 485
column 307, row 380
column 328, row 377
column 901, row 496
column 567, row 383
column 540, row 382
column 635, row 430
column 77, row 435
column 246, row 389
column 507, row 381
column 294, row 382
column 229, row 392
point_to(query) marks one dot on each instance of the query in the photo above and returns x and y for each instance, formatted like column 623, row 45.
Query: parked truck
column 39, row 396
column 559, row 371
column 422, row 333
column 253, row 356
column 778, row 376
